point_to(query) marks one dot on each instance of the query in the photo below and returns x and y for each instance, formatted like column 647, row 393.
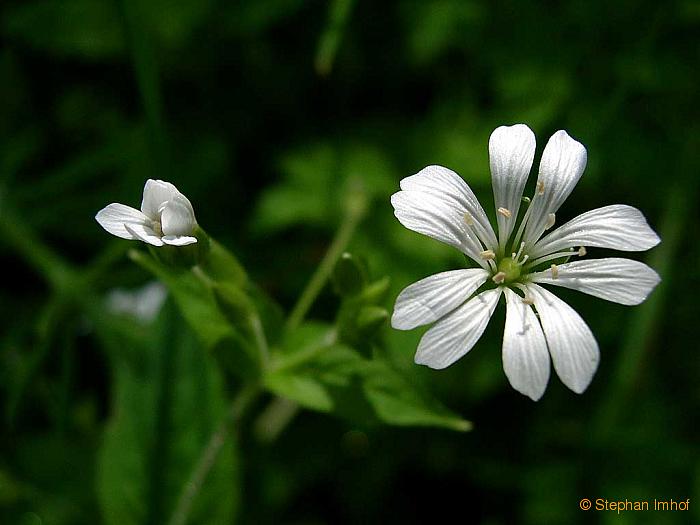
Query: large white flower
column 166, row 217
column 516, row 261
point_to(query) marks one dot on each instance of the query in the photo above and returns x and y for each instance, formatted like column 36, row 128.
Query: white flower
column 166, row 217
column 438, row 203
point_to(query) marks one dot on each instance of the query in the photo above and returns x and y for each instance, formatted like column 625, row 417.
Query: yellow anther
column 499, row 277
column 487, row 254
column 551, row 219
column 555, row 271
column 468, row 219
column 505, row 212
column 540, row 187
column 582, row 251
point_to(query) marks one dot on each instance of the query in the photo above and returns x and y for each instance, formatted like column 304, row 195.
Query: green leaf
column 93, row 29
column 399, row 402
column 193, row 297
column 162, row 417
column 196, row 301
column 316, row 184
column 321, row 374
column 86, row 28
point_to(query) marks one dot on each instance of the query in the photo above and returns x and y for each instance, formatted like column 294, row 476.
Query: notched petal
column 525, row 355
column 429, row 299
column 571, row 344
column 456, row 334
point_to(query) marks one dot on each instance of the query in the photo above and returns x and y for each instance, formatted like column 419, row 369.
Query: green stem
column 210, row 453
column 256, row 327
column 353, row 215
column 273, row 420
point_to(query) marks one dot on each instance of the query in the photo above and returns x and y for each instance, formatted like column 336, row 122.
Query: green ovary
column 510, row 268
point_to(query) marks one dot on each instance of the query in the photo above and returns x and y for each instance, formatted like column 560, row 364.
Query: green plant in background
column 334, row 368
column 270, row 115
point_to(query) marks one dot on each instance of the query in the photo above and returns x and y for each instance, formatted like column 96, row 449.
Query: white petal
column 456, row 334
column 525, row 356
column 177, row 218
column 144, row 233
column 183, row 240
column 511, row 150
column 437, row 218
column 571, row 344
column 429, row 299
column 614, row 279
column 618, row 226
column 114, row 216
column 562, row 165
column 448, row 186
column 158, row 192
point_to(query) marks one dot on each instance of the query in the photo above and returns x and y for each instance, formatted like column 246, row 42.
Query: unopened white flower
column 166, row 217
column 516, row 261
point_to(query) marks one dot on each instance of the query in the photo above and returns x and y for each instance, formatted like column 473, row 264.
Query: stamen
column 581, row 251
column 551, row 218
column 555, row 271
column 558, row 255
column 520, row 251
column 499, row 277
column 525, row 258
column 540, row 187
column 505, row 212
column 487, row 254
column 528, row 300
column 468, row 218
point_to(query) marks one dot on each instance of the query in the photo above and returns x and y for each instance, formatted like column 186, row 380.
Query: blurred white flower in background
column 142, row 303
column 166, row 217
column 438, row 203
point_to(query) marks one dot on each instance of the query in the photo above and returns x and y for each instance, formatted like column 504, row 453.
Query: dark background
column 260, row 111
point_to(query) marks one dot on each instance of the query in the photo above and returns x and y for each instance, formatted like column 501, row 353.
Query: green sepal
column 183, row 257
column 196, row 301
column 221, row 265
column 349, row 275
column 370, row 319
column 376, row 292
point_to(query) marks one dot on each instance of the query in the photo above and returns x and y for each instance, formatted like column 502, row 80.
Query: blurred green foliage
column 266, row 114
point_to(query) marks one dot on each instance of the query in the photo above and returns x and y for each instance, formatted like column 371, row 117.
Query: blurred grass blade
column 338, row 15
column 148, row 80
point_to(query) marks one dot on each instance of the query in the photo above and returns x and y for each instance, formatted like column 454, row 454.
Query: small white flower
column 438, row 203
column 166, row 217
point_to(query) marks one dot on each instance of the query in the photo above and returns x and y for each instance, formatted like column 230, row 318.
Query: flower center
column 509, row 269
column 157, row 228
